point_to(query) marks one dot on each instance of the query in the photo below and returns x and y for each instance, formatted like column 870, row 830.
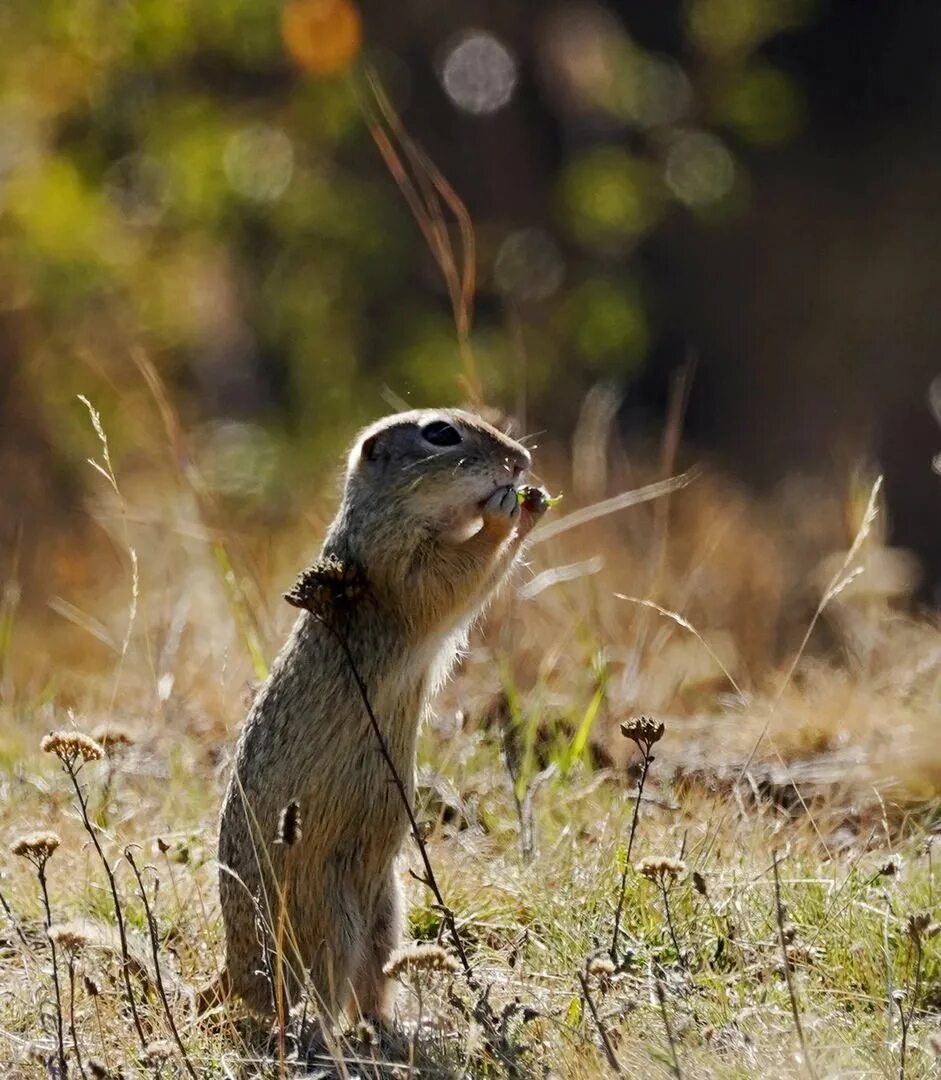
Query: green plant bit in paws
column 537, row 499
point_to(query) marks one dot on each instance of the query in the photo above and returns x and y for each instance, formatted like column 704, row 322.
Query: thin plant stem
column 115, row 899
column 602, row 1032
column 279, row 977
column 664, row 891
column 155, row 951
column 72, row 1031
column 907, row 1015
column 627, row 858
column 791, row 990
column 671, row 1041
column 41, row 874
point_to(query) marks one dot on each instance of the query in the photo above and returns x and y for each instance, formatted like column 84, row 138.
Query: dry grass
column 156, row 654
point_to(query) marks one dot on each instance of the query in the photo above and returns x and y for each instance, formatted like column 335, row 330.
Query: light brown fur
column 433, row 529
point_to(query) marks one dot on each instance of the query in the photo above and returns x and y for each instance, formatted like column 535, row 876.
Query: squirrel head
column 415, row 475
column 432, row 464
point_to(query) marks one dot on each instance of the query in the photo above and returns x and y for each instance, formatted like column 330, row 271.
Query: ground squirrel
column 431, row 520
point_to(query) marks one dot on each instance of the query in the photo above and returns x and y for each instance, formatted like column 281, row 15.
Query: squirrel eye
column 439, row 433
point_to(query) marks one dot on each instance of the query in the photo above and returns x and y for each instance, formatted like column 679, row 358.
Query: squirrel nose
column 519, row 463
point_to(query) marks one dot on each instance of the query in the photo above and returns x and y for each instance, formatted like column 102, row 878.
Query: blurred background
column 716, row 218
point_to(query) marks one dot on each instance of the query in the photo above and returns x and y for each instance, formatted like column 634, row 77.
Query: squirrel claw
column 502, row 507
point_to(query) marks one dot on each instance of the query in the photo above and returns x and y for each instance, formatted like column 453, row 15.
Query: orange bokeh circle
column 322, row 36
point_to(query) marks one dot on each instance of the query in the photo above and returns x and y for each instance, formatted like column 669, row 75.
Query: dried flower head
column 159, row 1051
column 601, row 967
column 412, row 958
column 699, row 883
column 70, row 937
column 69, row 746
column 289, row 824
column 91, row 987
column 643, row 731
column 37, row 847
column 366, row 1034
column 916, row 925
column 326, row 586
column 113, row 738
column 661, row 869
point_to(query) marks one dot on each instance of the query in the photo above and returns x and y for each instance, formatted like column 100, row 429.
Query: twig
column 155, row 951
column 605, row 1038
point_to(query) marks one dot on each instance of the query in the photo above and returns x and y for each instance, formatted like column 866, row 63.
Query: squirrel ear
column 369, row 449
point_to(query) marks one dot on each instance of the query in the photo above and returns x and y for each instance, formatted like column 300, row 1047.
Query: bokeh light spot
column 528, row 266
column 763, row 104
column 479, row 73
column 259, row 162
column 322, row 36
column 607, row 323
column 609, row 198
column 699, row 169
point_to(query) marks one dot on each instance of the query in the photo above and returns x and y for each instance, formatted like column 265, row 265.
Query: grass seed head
column 661, row 868
column 37, row 847
column 413, row 958
column 69, row 746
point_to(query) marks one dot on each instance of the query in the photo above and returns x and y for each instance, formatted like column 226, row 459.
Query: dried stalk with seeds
column 644, row 733
column 73, row 749
column 38, row 848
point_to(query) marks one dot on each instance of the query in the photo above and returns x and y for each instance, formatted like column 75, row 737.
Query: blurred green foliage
column 169, row 181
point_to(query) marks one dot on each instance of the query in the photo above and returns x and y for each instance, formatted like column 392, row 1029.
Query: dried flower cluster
column 643, row 731
column 365, row 1033
column 69, row 746
column 37, row 847
column 414, row 958
column 113, row 738
column 159, row 1051
column 601, row 967
column 326, row 585
column 70, row 937
column 661, row 868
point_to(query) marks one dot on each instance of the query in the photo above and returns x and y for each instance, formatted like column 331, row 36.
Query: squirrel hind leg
column 214, row 993
column 374, row 992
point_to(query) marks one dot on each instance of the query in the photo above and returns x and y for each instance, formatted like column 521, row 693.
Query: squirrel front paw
column 501, row 510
